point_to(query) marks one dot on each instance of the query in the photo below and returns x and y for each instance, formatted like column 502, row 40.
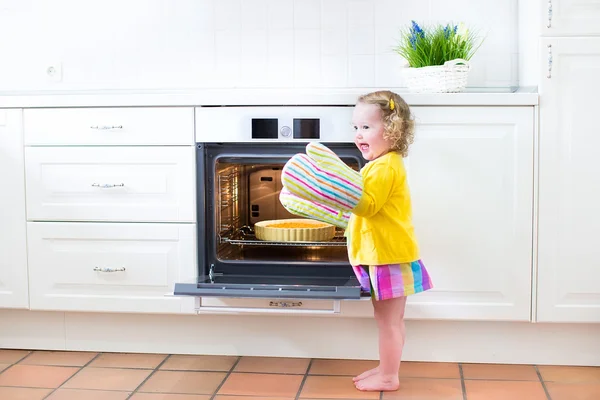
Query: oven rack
column 251, row 240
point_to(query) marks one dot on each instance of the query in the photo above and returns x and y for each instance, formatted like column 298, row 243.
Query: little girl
column 382, row 247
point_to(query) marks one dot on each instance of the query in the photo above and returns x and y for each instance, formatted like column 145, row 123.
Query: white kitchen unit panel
column 110, row 267
column 220, row 124
column 150, row 184
column 569, row 221
column 570, row 17
column 13, row 240
column 109, row 126
column 471, row 176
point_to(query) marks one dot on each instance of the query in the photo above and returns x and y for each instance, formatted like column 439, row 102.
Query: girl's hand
column 313, row 210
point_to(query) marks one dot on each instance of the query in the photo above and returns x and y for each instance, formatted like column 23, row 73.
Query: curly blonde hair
column 399, row 124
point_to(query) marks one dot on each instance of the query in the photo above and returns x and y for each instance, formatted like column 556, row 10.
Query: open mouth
column 363, row 146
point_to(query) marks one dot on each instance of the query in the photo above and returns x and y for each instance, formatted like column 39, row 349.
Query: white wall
column 168, row 44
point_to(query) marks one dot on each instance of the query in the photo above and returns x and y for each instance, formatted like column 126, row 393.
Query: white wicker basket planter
column 448, row 78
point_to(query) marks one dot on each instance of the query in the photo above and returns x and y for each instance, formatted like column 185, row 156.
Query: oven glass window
column 249, row 193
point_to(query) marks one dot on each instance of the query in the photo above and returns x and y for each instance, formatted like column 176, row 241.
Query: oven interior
column 248, row 192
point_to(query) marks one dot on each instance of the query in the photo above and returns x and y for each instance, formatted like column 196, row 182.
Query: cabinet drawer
column 110, row 267
column 264, row 306
column 110, row 184
column 109, row 126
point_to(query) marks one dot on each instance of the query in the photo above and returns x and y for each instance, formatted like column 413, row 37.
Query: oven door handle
column 262, row 310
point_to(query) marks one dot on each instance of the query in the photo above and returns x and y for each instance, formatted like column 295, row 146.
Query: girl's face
column 369, row 128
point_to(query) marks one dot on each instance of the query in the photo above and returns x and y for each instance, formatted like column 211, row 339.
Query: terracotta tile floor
column 33, row 375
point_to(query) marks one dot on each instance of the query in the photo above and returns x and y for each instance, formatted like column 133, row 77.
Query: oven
column 240, row 152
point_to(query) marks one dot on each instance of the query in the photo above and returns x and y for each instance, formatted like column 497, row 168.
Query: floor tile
column 199, row 363
column 4, row 366
column 62, row 358
column 107, row 379
column 76, row 394
column 12, row 356
column 253, row 398
column 184, row 382
column 126, row 360
column 333, row 387
column 569, row 374
column 426, row 389
column 502, row 390
column 429, row 370
column 262, row 385
column 14, row 393
column 168, row 396
column 37, row 376
column 573, row 391
column 499, row 371
column 273, row 365
column 341, row 367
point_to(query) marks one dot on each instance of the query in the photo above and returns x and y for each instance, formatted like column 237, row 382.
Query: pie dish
column 294, row 230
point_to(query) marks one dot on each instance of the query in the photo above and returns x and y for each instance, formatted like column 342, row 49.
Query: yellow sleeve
column 377, row 186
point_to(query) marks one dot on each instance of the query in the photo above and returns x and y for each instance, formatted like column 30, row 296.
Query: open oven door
column 273, row 287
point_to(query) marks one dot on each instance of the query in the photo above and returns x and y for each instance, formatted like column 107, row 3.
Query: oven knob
column 285, row 131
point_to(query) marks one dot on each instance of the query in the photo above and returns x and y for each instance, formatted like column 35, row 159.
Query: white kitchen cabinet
column 13, row 247
column 569, row 192
column 570, row 17
column 119, row 184
column 471, row 177
column 110, row 267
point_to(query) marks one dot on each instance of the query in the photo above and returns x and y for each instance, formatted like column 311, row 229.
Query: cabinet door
column 13, row 253
column 569, row 217
column 570, row 17
column 471, row 176
column 110, row 267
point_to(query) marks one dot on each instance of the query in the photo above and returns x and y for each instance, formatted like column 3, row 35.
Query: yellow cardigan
column 380, row 230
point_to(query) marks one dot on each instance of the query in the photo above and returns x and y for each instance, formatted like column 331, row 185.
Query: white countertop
column 526, row 96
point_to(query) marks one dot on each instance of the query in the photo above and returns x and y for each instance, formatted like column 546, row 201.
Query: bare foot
column 366, row 374
column 378, row 382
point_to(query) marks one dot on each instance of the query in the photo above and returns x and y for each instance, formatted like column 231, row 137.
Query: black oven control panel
column 301, row 128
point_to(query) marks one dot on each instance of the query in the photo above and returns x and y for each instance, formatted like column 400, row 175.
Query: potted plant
column 437, row 57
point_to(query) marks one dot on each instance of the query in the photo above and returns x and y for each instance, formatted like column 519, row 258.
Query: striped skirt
column 386, row 282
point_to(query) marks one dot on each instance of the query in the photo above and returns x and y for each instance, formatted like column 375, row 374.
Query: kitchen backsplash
column 187, row 44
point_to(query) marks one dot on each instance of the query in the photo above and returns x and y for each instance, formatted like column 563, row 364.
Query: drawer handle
column 106, row 127
column 108, row 269
column 107, row 185
column 285, row 304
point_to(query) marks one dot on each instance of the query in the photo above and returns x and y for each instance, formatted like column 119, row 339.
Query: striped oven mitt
column 320, row 176
column 313, row 210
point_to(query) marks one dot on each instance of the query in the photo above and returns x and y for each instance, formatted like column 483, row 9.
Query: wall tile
column 334, row 14
column 228, row 14
column 228, row 57
column 280, row 14
column 361, row 13
column 334, row 71
column 307, row 57
column 254, row 46
column 307, row 14
column 361, row 71
column 254, row 14
column 361, row 41
column 388, row 70
column 334, row 41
